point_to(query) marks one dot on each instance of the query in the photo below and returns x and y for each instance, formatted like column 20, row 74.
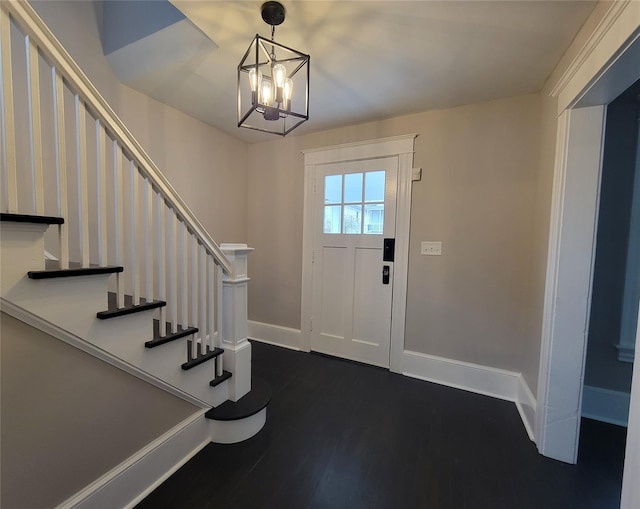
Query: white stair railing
column 66, row 153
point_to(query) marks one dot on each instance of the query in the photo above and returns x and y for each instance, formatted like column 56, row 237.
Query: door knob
column 385, row 274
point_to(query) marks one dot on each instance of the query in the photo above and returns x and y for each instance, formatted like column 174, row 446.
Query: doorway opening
column 615, row 293
column 616, row 276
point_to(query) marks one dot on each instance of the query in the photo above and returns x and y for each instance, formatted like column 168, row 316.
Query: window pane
column 374, row 186
column 353, row 187
column 332, row 219
column 352, row 219
column 374, row 218
column 333, row 189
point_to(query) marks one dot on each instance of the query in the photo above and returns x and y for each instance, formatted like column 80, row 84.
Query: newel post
column 237, row 350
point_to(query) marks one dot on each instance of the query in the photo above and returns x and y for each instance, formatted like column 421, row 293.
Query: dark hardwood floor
column 345, row 435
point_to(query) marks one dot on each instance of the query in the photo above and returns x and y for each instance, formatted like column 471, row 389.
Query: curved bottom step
column 236, row 421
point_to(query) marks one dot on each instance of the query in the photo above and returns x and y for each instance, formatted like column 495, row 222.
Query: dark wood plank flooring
column 345, row 435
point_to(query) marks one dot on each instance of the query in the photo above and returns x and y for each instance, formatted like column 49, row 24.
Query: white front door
column 355, row 208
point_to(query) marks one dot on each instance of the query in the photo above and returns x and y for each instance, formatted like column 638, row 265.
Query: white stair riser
column 123, row 336
column 22, row 250
column 70, row 302
column 230, row 432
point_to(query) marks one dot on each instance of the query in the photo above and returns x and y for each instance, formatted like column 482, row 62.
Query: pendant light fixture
column 273, row 81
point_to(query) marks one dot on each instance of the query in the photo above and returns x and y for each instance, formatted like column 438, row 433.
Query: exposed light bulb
column 288, row 93
column 266, row 95
column 279, row 74
column 255, row 78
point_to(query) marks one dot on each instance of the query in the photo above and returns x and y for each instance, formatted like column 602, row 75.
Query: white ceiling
column 369, row 59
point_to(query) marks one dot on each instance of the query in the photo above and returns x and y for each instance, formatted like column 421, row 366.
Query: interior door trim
column 398, row 146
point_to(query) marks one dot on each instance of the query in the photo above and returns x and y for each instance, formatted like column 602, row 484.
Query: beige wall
column 68, row 418
column 480, row 163
column 479, row 179
column 275, row 203
column 207, row 167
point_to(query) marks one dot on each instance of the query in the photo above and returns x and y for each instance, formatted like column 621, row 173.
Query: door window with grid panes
column 354, row 203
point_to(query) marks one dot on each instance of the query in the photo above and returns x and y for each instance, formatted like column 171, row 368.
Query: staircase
column 136, row 278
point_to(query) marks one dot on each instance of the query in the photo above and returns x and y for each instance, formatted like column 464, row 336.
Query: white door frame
column 403, row 148
column 605, row 67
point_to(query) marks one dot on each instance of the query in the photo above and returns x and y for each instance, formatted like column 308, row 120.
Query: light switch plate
column 431, row 248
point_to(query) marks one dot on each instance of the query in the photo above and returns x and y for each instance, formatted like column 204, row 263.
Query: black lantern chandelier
column 273, row 81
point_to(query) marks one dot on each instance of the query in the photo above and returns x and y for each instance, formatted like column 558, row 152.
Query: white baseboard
column 494, row 382
column 275, row 335
column 605, row 405
column 131, row 481
column 526, row 405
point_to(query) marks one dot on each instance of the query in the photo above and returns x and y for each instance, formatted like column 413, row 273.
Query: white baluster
column 10, row 176
column 83, row 188
column 220, row 317
column 35, row 125
column 118, row 199
column 101, row 182
column 172, row 263
column 202, row 280
column 147, row 261
column 211, row 303
column 160, row 250
column 194, row 285
column 184, row 316
column 61, row 165
column 184, row 310
column 133, row 221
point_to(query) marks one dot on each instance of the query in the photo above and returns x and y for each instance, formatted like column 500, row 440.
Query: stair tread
column 249, row 404
column 113, row 310
column 28, row 218
column 168, row 336
column 212, row 354
column 72, row 272
column 221, row 378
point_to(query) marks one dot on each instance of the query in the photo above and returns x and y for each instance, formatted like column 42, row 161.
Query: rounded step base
column 235, row 421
